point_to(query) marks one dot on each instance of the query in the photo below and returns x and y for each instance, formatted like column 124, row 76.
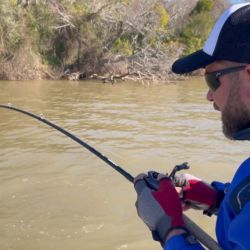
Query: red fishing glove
column 160, row 209
column 195, row 193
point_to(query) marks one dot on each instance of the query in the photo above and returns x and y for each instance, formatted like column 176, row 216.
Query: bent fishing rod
column 193, row 228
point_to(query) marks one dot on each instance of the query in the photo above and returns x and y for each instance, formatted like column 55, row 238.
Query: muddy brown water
column 56, row 195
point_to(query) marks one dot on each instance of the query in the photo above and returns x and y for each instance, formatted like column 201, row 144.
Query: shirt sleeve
column 182, row 242
column 238, row 233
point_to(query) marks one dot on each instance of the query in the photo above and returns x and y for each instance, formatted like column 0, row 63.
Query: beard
column 236, row 116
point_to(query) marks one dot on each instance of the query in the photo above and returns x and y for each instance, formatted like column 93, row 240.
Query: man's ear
column 248, row 69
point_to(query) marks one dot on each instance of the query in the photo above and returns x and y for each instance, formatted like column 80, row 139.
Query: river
column 57, row 195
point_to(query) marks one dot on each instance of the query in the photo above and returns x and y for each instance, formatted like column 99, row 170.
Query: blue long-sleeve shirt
column 232, row 226
column 180, row 243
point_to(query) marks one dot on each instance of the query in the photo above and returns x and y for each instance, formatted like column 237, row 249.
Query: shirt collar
column 242, row 135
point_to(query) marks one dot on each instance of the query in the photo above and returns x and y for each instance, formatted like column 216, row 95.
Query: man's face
column 235, row 117
column 228, row 99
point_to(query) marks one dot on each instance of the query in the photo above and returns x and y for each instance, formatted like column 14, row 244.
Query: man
column 226, row 59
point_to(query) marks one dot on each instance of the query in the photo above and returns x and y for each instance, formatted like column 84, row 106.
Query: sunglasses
column 213, row 80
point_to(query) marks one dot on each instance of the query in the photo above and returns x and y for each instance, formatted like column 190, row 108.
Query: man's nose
column 210, row 96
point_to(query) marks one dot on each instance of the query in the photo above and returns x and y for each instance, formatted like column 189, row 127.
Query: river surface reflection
column 56, row 195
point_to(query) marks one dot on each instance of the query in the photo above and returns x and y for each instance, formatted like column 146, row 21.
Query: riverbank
column 107, row 41
column 27, row 65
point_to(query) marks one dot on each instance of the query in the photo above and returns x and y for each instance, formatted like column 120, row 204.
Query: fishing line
column 194, row 229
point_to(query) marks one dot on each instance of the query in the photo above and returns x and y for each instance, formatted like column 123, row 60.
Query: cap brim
column 198, row 59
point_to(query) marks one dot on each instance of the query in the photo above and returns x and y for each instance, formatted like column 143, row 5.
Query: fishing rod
column 76, row 139
column 193, row 228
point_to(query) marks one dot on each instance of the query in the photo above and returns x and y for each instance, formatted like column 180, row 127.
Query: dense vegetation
column 79, row 39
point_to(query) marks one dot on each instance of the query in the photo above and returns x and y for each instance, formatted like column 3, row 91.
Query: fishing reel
column 152, row 177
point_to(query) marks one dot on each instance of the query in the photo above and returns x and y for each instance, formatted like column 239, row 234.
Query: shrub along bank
column 103, row 39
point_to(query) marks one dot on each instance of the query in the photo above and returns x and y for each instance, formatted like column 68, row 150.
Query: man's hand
column 161, row 209
column 195, row 193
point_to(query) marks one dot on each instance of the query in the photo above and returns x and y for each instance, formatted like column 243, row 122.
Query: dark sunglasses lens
column 212, row 81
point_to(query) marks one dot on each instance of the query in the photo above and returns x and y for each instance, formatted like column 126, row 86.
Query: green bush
column 10, row 30
column 123, row 46
column 202, row 6
column 164, row 17
column 195, row 33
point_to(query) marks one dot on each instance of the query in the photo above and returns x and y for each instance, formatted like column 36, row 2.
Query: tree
column 199, row 24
